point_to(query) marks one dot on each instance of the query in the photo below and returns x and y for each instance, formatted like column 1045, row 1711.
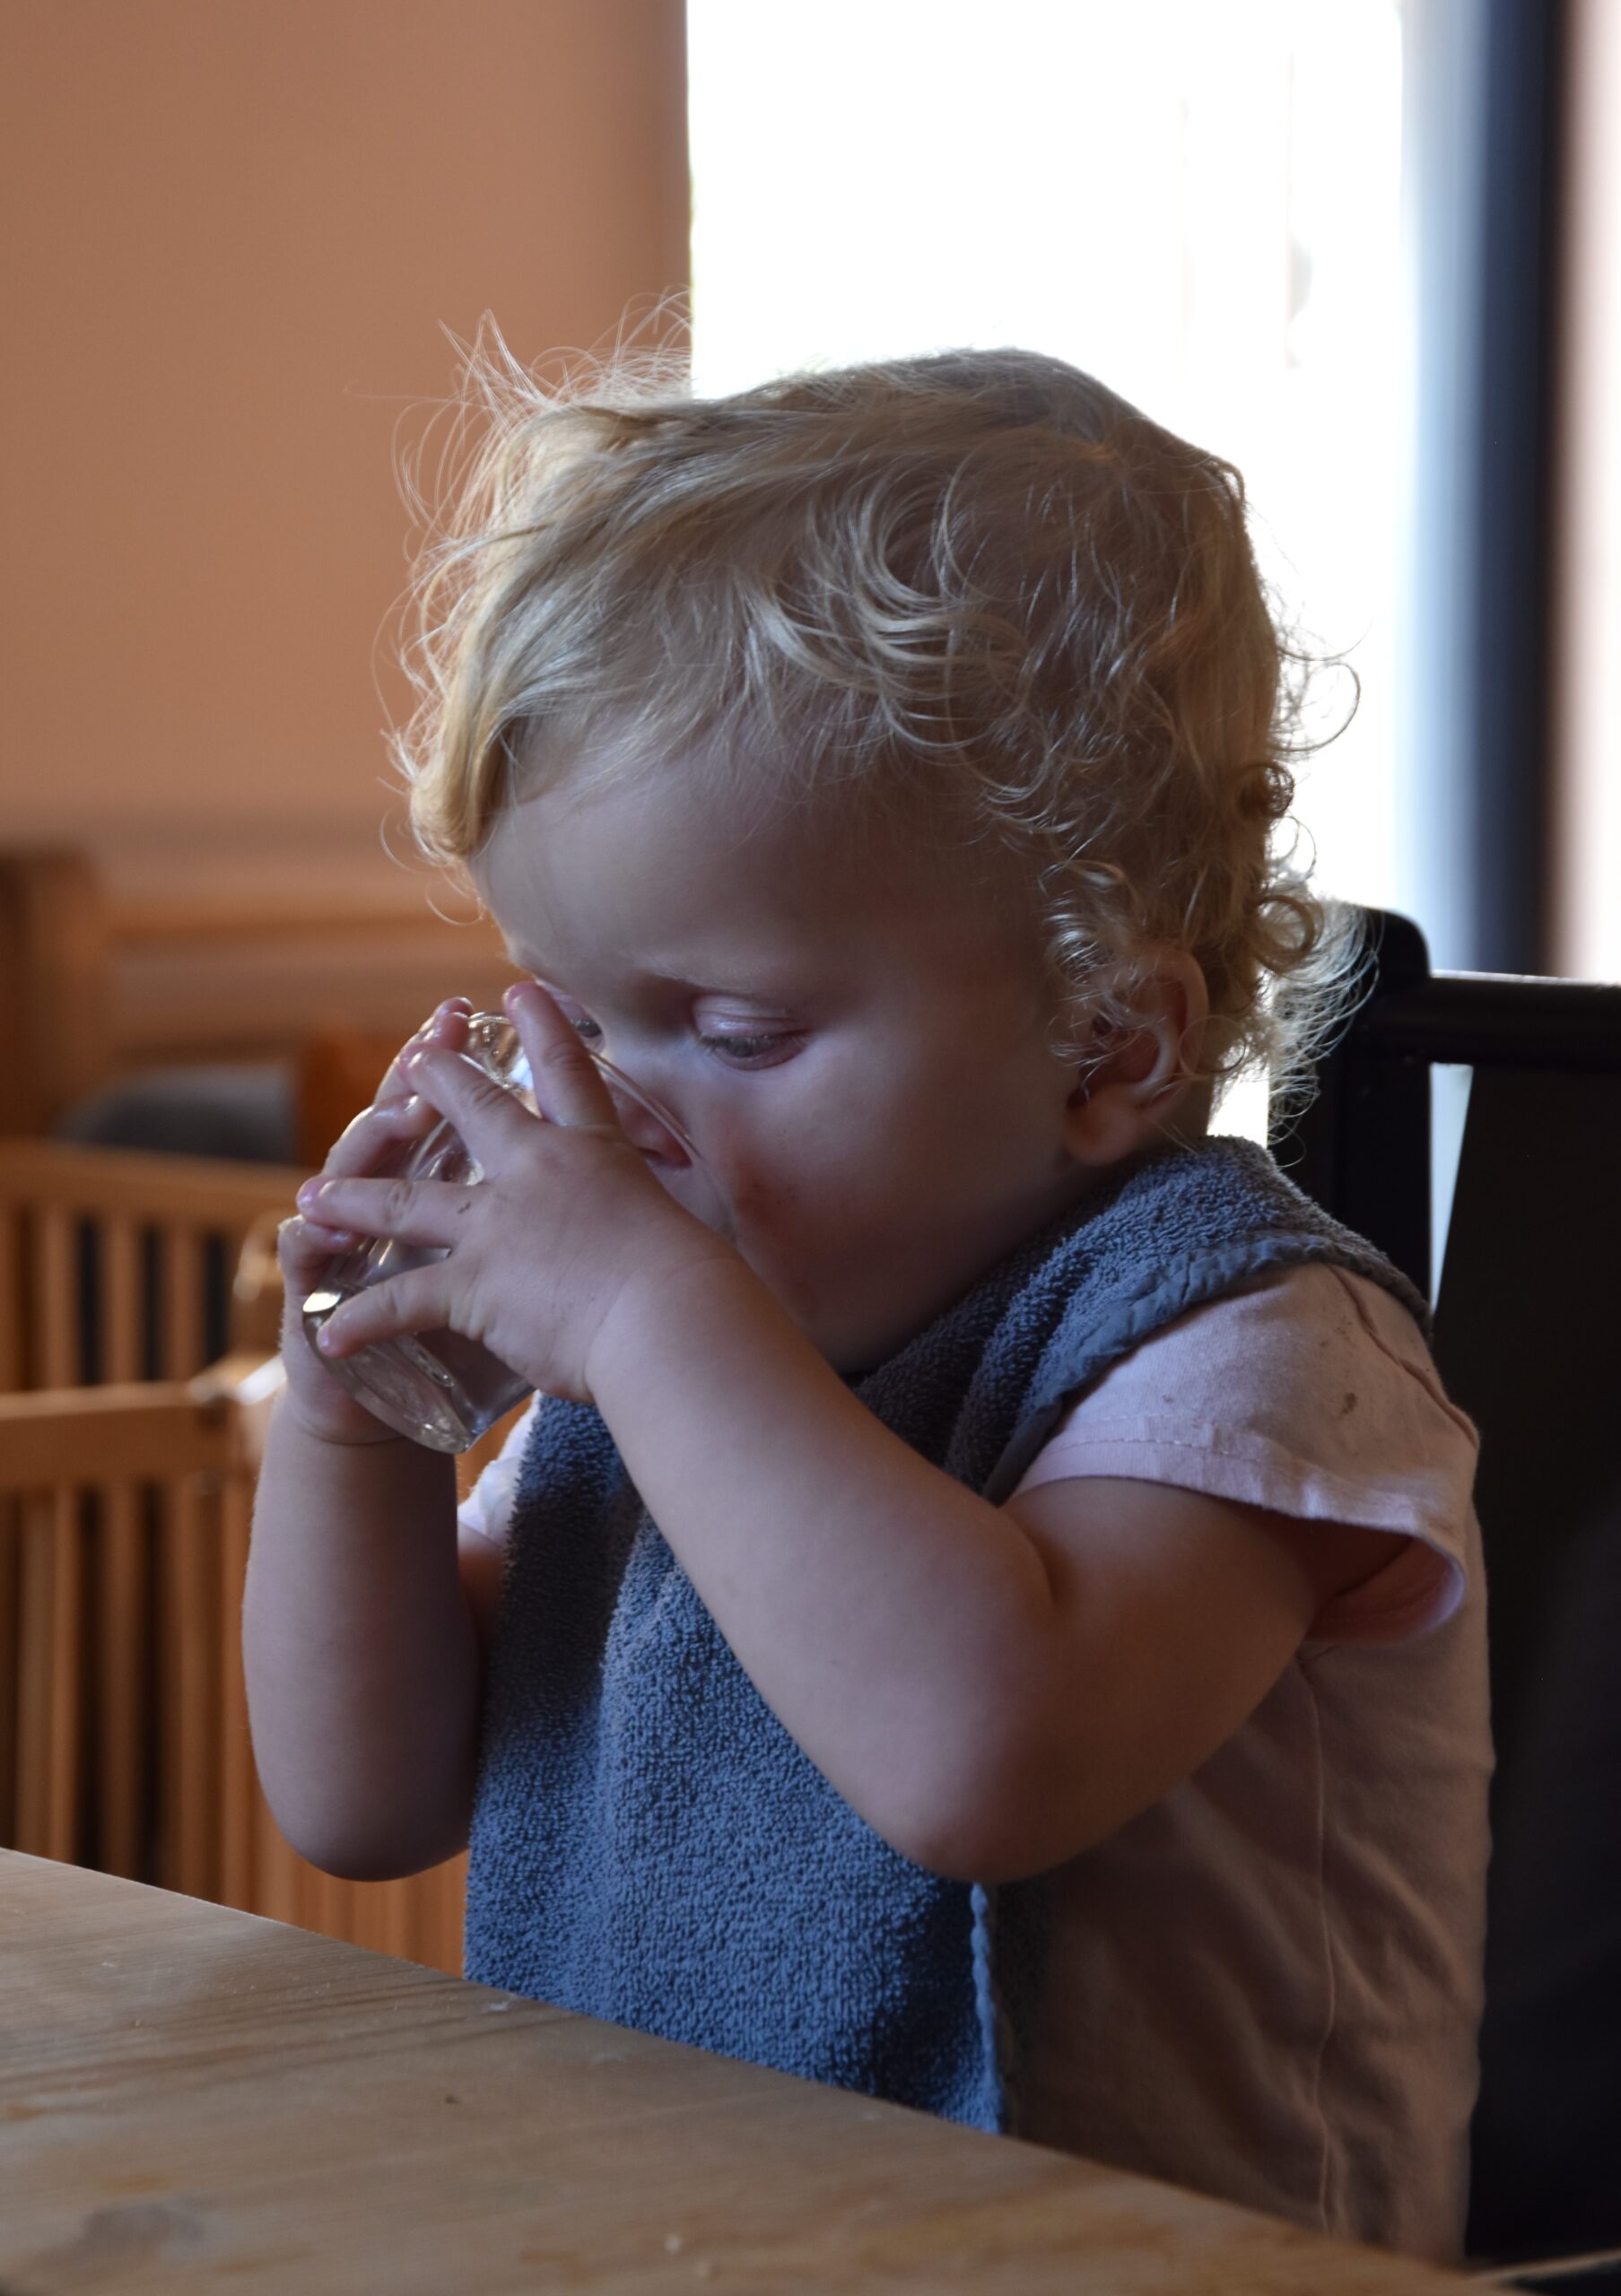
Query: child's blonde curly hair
column 976, row 585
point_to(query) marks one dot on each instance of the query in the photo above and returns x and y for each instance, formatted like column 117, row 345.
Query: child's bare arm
column 361, row 1652
column 360, row 1640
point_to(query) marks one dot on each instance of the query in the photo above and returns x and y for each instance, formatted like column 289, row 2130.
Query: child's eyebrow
column 654, row 978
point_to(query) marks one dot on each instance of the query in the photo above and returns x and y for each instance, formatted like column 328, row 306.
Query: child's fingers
column 493, row 1122
column 303, row 1247
column 380, row 1132
column 399, row 1209
column 398, row 1116
column 317, row 1400
column 322, row 1242
column 446, row 1025
column 569, row 1086
column 415, row 1300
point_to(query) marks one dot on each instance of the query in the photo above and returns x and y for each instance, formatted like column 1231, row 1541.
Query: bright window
column 1197, row 203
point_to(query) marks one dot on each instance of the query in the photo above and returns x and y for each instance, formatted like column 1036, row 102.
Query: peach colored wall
column 237, row 228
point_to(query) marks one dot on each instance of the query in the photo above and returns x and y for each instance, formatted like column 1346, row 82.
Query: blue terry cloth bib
column 651, row 1846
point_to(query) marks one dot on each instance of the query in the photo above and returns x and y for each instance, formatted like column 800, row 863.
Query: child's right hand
column 368, row 1148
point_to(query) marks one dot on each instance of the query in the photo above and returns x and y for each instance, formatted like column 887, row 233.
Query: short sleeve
column 1308, row 1391
column 487, row 1509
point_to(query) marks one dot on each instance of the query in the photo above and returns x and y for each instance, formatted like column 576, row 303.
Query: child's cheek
column 769, row 1230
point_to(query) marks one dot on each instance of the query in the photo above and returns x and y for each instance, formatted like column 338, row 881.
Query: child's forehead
column 637, row 864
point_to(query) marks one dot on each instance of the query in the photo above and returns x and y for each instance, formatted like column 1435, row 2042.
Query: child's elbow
column 379, row 1862
column 359, row 1852
column 993, row 1828
column 991, row 1853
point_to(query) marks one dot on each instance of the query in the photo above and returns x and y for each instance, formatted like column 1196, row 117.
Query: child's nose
column 646, row 1132
column 646, row 1125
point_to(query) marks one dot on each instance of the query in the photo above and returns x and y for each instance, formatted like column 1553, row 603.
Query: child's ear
column 1133, row 1081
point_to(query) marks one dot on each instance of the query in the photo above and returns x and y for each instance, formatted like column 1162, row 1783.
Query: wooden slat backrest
column 92, row 1481
column 124, row 1519
column 110, row 1257
column 124, row 1740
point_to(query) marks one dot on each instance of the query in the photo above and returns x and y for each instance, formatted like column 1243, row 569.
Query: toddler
column 994, row 1620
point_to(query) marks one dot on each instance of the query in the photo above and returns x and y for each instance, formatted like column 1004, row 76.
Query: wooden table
column 195, row 2099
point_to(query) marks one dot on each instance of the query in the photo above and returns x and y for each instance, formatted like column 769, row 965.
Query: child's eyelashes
column 735, row 1047
column 750, row 1052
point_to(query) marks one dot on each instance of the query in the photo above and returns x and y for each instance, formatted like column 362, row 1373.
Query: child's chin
column 853, row 1335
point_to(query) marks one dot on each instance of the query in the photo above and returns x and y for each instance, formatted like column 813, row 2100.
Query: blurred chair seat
column 239, row 1113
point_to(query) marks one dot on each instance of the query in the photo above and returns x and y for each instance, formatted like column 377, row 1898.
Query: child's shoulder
column 1311, row 1333
column 1195, row 1220
column 1291, row 1328
column 1307, row 1390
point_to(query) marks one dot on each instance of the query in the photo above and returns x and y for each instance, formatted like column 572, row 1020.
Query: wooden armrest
column 145, row 1431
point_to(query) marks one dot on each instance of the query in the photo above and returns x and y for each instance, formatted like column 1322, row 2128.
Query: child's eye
column 746, row 1052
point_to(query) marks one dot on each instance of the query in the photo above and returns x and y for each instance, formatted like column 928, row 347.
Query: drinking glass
column 440, row 1389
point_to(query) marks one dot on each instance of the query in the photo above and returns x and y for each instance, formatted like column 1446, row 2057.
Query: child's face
column 854, row 1040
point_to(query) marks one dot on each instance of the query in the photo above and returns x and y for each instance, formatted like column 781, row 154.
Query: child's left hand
column 567, row 1223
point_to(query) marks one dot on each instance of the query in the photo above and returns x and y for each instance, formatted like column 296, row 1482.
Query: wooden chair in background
column 100, row 988
column 138, row 1315
column 130, row 1423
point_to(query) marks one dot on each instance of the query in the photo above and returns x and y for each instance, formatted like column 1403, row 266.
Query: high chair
column 1526, row 1306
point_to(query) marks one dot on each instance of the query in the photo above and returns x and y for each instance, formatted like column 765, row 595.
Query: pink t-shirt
column 1267, row 1985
